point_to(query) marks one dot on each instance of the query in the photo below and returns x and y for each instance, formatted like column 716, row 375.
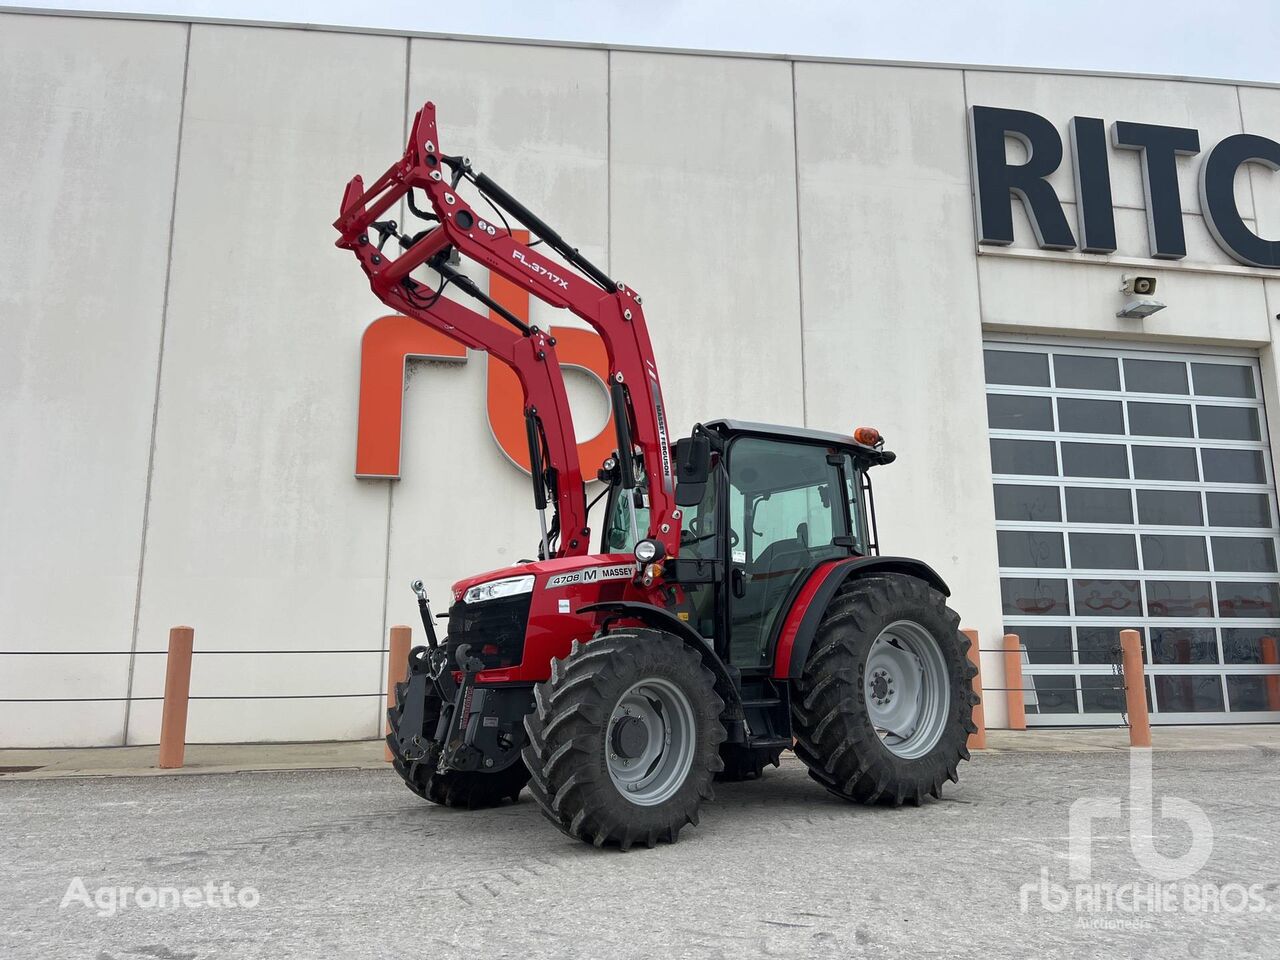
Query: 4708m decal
column 622, row 571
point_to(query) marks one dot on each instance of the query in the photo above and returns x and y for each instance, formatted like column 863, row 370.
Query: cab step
column 769, row 743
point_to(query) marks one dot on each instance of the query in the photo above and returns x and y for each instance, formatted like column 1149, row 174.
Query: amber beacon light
column 868, row 437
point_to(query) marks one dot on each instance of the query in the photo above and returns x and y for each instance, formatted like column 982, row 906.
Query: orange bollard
column 977, row 739
column 1135, row 689
column 397, row 670
column 177, row 693
column 1013, row 682
column 1271, row 657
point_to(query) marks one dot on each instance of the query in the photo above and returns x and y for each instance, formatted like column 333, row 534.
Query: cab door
column 788, row 510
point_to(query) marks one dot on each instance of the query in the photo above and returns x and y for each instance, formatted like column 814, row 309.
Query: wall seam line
column 795, row 160
column 977, row 260
column 155, row 400
column 1253, row 202
column 384, row 659
column 608, row 160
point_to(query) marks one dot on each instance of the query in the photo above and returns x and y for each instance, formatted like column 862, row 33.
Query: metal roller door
column 1134, row 488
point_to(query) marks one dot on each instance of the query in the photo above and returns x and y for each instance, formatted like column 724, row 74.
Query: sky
column 1231, row 39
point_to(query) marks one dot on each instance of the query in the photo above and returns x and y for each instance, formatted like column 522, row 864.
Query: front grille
column 494, row 628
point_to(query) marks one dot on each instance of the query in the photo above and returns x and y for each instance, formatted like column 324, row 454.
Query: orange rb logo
column 390, row 342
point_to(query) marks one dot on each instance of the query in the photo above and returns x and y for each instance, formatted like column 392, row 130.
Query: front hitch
column 456, row 754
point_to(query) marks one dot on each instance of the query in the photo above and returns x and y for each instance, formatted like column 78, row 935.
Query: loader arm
column 612, row 309
column 530, row 353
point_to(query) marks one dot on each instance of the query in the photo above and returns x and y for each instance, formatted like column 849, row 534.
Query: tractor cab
column 762, row 506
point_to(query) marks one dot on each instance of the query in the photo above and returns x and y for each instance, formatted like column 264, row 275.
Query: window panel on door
column 1089, row 416
column 1014, row 367
column 1099, row 505
column 1044, row 644
column 1184, row 645
column 1244, row 555
column 1190, row 693
column 1030, row 548
column 1223, row 380
column 1107, row 598
column 1159, row 419
column 1076, row 372
column 1166, row 551
column 1239, row 509
column 1155, row 376
column 1255, row 600
column 1233, row 466
column 1169, row 508
column 1228, row 423
column 1026, row 457
column 1260, row 645
column 1102, row 694
column 1005, row 412
column 1253, row 694
column 1104, row 460
column 1103, row 551
column 1027, row 502
column 1098, row 644
column 1054, row 693
column 1164, row 463
column 1034, row 597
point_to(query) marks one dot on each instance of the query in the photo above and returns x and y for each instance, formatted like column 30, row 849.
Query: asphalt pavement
column 348, row 863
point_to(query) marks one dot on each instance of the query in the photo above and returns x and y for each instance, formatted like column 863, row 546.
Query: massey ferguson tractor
column 729, row 603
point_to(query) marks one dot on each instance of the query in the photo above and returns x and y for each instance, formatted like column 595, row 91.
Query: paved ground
column 348, row 863
column 41, row 764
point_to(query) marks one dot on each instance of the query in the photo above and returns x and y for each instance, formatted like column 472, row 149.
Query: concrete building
column 817, row 242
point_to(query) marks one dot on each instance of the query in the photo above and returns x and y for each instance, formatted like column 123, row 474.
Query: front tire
column 623, row 739
column 883, row 710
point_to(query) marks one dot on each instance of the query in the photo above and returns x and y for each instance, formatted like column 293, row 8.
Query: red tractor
column 736, row 605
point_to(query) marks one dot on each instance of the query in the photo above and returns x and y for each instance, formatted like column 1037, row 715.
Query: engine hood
column 544, row 569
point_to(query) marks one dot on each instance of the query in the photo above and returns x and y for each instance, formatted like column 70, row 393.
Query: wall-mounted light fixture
column 1140, row 299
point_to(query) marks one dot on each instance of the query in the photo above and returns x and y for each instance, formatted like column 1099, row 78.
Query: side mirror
column 693, row 466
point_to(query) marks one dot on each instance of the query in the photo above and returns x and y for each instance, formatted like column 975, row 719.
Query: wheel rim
column 649, row 741
column 907, row 689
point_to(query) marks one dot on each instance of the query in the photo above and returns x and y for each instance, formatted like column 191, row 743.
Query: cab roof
column 732, row 428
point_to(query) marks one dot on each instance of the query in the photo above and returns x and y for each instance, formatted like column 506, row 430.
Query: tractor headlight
column 494, row 589
column 649, row 551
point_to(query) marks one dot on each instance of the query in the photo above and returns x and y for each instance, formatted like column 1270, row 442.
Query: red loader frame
column 611, row 308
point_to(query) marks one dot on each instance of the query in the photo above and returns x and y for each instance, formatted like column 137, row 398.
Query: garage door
column 1135, row 489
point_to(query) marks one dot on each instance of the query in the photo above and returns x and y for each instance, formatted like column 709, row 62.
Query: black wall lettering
column 1160, row 147
column 994, row 178
column 1218, row 197
column 1093, row 185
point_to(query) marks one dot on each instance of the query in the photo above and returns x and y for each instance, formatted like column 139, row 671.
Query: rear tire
column 470, row 790
column 834, row 700
column 623, row 739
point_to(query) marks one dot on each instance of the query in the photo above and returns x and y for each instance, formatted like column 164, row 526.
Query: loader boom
column 612, row 309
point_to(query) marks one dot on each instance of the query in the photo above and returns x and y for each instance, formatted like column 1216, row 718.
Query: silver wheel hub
column 907, row 689
column 649, row 741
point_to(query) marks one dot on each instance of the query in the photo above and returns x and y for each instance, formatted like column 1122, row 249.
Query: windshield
column 618, row 536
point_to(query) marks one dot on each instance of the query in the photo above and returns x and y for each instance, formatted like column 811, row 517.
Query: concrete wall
column 179, row 342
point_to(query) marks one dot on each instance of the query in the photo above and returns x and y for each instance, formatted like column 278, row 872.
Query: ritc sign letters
column 1160, row 149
